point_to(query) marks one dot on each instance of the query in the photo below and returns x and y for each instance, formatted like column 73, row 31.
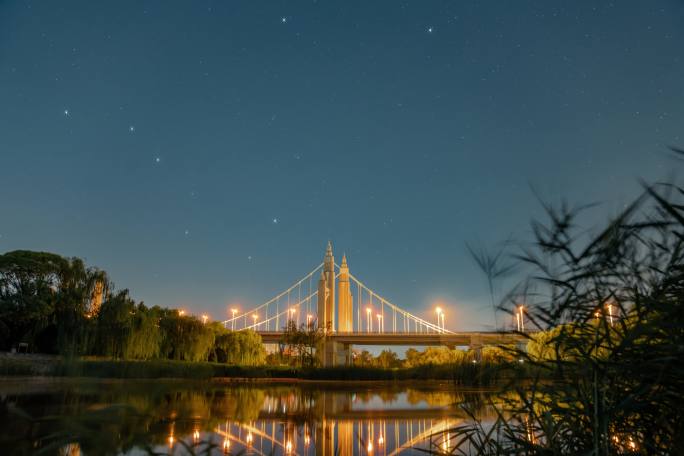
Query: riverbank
column 469, row 374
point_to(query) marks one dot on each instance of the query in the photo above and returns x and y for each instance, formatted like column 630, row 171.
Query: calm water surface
column 188, row 417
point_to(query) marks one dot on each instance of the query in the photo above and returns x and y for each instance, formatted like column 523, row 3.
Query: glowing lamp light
column 171, row 440
column 381, row 440
column 250, row 438
column 369, row 448
column 205, row 317
column 226, row 445
column 181, row 312
column 288, row 447
column 195, row 435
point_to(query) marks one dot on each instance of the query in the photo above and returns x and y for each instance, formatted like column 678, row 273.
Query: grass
column 468, row 374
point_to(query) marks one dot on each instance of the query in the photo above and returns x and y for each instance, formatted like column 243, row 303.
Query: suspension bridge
column 350, row 313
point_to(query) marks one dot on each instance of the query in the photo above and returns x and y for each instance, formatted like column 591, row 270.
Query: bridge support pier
column 335, row 353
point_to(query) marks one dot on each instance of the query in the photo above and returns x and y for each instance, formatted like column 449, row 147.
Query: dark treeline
column 56, row 305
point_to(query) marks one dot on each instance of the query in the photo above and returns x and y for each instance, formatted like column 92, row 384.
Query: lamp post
column 234, row 311
column 443, row 323
column 293, row 311
column 521, row 319
column 205, row 318
column 438, row 310
column 369, row 321
column 255, row 317
column 308, row 320
column 181, row 312
column 379, row 323
column 610, row 313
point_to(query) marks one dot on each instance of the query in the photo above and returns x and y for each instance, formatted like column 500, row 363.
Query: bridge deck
column 451, row 340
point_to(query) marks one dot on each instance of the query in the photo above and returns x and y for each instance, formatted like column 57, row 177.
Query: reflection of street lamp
column 379, row 323
column 369, row 321
column 234, row 312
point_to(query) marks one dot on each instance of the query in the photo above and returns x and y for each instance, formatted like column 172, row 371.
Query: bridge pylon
column 334, row 315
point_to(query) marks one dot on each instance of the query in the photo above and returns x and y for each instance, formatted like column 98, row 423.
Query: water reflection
column 74, row 418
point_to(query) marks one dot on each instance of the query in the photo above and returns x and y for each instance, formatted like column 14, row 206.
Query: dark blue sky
column 162, row 140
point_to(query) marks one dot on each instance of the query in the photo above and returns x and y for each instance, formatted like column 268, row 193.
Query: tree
column 387, row 359
column 302, row 342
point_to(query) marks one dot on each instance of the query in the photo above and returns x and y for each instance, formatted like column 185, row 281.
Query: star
column 157, row 160
column 249, row 257
column 275, row 221
column 66, row 112
column 283, row 19
column 187, row 232
column 131, row 128
column 429, row 29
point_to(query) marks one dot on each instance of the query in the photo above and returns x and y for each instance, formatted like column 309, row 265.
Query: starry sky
column 204, row 152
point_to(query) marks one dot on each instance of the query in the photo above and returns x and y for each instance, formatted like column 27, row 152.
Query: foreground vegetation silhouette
column 609, row 367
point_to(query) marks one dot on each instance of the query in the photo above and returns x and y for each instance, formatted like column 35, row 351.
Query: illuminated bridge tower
column 335, row 315
column 345, row 316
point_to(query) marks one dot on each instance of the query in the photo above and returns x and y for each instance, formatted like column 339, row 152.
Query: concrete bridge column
column 335, row 353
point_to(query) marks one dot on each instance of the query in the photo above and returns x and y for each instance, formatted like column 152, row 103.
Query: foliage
column 58, row 305
column 612, row 309
column 45, row 301
column 302, row 342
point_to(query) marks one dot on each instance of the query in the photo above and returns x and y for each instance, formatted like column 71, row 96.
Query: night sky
column 204, row 152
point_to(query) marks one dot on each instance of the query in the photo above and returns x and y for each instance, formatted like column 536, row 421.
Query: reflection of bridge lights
column 195, row 435
column 171, row 440
column 250, row 438
column 369, row 448
column 226, row 445
column 307, row 440
column 381, row 440
column 288, row 447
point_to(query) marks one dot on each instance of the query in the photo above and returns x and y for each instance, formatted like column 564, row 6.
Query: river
column 92, row 417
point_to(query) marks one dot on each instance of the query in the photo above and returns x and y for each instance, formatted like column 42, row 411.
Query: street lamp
column 234, row 311
column 379, row 323
column 308, row 320
column 181, row 312
column 255, row 317
column 369, row 321
column 443, row 323
column 610, row 313
column 521, row 319
column 292, row 312
column 439, row 315
column 205, row 318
